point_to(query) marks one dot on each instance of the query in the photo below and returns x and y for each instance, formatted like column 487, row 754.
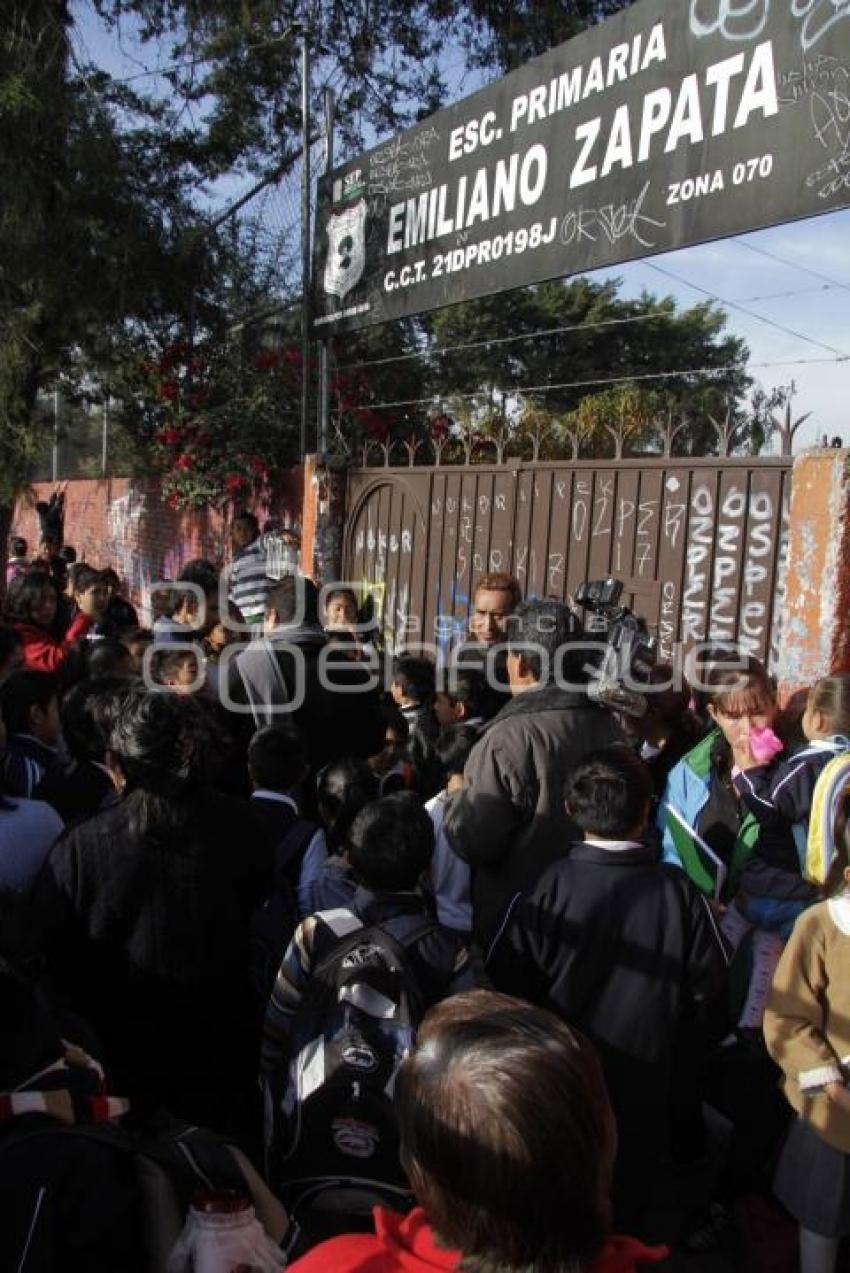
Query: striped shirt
column 249, row 581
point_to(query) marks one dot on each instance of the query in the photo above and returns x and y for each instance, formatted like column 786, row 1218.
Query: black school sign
column 676, row 122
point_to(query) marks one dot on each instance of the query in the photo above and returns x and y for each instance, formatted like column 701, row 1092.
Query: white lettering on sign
column 625, row 142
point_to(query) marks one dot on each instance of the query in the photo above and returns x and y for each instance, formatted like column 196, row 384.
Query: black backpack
column 273, row 925
column 357, row 1021
column 169, row 1163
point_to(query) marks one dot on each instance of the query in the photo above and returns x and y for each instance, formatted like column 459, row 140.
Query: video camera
column 629, row 649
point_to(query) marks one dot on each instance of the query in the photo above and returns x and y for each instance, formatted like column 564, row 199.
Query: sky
column 774, row 294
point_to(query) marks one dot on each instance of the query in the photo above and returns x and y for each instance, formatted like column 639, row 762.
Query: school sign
column 675, row 122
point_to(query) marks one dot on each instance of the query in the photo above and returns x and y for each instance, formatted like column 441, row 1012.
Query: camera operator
column 509, row 821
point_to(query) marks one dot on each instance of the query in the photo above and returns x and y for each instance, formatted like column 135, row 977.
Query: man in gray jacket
column 509, row 821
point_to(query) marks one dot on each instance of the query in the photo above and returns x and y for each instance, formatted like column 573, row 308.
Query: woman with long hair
column 145, row 911
column 31, row 606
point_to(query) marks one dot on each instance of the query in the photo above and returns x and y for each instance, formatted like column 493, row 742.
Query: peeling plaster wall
column 124, row 523
column 816, row 614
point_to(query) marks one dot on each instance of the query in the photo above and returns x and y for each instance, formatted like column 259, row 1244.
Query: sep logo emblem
column 346, row 250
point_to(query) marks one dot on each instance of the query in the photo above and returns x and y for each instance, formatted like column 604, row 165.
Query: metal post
column 326, row 346
column 55, row 455
column 104, row 438
column 305, row 238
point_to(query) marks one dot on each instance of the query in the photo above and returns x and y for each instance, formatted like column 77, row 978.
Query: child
column 412, row 689
column 343, row 788
column 449, row 874
column 278, row 765
column 180, row 671
column 463, row 701
column 807, row 1031
column 392, row 765
column 30, row 706
column 773, row 891
column 622, row 947
column 137, row 641
column 390, row 845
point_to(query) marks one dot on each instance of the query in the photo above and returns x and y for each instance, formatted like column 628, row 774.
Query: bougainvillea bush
column 219, row 425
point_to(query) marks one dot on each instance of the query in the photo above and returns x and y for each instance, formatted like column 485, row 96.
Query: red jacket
column 41, row 651
column 405, row 1244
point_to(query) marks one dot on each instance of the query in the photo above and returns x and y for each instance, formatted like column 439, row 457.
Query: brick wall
column 123, row 523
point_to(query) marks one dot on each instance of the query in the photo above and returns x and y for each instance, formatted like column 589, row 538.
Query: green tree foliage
column 503, row 36
column 574, row 338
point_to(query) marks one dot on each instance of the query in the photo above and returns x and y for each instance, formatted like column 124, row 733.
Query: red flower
column 173, row 501
column 174, row 354
column 266, row 360
column 441, row 427
column 377, row 429
column 168, row 437
column 259, row 466
column 234, row 483
column 183, row 462
column 167, row 391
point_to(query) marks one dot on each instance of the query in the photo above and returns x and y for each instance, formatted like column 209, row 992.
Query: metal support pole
column 326, row 347
column 55, row 455
column 104, row 439
column 305, row 238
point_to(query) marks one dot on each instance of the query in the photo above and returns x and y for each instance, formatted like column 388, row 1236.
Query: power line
column 610, row 380
column 574, row 327
column 788, row 331
column 504, row 340
column 774, row 256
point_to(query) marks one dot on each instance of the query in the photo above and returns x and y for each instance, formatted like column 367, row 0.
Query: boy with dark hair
column 412, row 689
column 622, row 947
column 390, row 844
column 196, row 609
column 30, row 709
column 180, row 671
column 464, row 700
column 278, row 764
column 136, row 642
column 413, row 684
column 249, row 573
column 82, row 786
column 120, row 614
column 450, row 877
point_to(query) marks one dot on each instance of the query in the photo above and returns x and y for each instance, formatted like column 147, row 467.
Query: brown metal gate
column 700, row 544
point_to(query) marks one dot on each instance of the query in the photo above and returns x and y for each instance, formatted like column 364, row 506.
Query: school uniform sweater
column 621, row 946
column 807, row 1021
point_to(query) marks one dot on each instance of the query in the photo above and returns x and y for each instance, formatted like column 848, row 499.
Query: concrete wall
column 815, row 629
column 125, row 524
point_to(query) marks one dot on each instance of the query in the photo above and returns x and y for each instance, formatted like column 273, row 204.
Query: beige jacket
column 807, row 1022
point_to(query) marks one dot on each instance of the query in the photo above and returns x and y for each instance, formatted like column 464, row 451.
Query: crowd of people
column 457, row 942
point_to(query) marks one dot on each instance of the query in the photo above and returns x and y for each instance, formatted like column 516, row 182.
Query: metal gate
column 700, row 544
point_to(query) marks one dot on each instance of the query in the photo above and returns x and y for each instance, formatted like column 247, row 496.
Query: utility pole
column 104, row 440
column 326, row 346
column 305, row 238
column 54, row 466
